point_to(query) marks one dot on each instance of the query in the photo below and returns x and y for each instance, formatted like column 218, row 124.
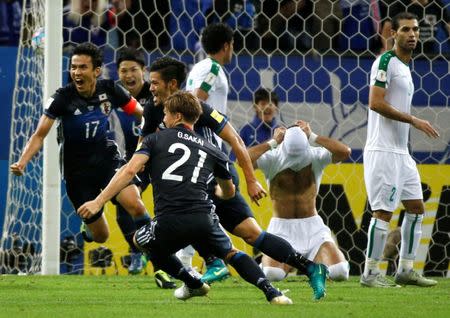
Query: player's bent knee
column 339, row 272
column 274, row 274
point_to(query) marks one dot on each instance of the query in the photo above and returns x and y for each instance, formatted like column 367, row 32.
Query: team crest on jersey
column 381, row 76
column 105, row 107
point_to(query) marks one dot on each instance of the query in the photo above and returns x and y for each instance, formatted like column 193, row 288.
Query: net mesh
column 316, row 55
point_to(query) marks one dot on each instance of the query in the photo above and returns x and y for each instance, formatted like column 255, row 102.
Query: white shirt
column 384, row 134
column 210, row 77
column 274, row 161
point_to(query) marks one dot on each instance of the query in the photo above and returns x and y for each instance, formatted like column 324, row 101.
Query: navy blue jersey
column 125, row 128
column 83, row 126
column 180, row 165
column 211, row 121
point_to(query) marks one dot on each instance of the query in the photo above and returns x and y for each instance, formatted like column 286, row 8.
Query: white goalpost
column 51, row 201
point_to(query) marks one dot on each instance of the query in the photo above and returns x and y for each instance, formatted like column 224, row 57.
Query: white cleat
column 414, row 278
column 184, row 292
column 281, row 300
column 377, row 281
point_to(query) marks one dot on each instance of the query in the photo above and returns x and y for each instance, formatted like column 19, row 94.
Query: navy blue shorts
column 232, row 212
column 166, row 234
column 81, row 189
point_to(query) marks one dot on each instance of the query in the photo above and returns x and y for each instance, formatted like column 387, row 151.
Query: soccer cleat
column 184, row 292
column 86, row 233
column 377, row 281
column 317, row 274
column 275, row 297
column 215, row 272
column 136, row 264
column 163, row 280
column 414, row 278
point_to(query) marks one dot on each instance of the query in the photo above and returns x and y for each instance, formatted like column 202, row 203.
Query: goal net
column 315, row 55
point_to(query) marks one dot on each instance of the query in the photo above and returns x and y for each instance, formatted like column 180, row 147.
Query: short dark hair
column 402, row 16
column 170, row 69
column 91, row 50
column 263, row 94
column 214, row 36
column 184, row 103
column 130, row 54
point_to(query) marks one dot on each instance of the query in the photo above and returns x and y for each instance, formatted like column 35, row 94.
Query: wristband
column 312, row 138
column 272, row 143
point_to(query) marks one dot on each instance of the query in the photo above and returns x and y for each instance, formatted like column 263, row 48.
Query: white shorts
column 390, row 178
column 305, row 235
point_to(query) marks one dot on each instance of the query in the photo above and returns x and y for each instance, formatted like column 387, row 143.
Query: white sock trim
column 274, row 274
column 339, row 272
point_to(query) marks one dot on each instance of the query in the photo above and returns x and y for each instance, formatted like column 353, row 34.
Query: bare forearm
column 386, row 110
column 339, row 150
column 32, row 147
column 257, row 151
column 120, row 180
column 245, row 163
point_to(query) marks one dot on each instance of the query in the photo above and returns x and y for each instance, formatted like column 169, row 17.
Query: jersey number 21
column 168, row 175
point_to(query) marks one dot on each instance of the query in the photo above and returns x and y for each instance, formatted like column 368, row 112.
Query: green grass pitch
column 138, row 296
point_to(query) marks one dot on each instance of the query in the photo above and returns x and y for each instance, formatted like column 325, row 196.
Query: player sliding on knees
column 293, row 170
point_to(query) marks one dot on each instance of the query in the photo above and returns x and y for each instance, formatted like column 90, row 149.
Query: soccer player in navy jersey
column 89, row 158
column 166, row 76
column 180, row 163
column 126, row 131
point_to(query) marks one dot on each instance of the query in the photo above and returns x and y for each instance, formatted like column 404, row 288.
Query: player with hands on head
column 293, row 170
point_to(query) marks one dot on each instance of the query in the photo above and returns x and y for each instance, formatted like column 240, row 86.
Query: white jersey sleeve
column 393, row 75
column 209, row 76
column 321, row 158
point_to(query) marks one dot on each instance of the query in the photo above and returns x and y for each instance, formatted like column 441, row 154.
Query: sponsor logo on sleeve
column 217, row 116
column 210, row 79
column 381, row 76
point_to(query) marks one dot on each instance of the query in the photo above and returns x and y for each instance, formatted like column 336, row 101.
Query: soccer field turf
column 138, row 296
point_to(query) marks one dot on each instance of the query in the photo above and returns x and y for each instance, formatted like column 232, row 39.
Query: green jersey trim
column 381, row 77
column 210, row 78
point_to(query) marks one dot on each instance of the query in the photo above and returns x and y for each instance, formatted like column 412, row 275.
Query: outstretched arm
column 33, row 145
column 254, row 188
column 339, row 151
column 377, row 103
column 120, row 180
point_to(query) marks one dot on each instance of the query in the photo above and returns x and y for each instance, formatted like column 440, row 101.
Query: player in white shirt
column 293, row 171
column 390, row 173
column 207, row 79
